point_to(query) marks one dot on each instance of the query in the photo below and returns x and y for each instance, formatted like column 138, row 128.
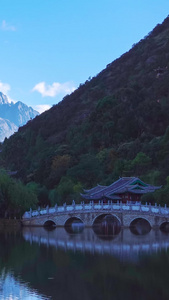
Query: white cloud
column 4, row 88
column 41, row 107
column 7, row 27
column 55, row 89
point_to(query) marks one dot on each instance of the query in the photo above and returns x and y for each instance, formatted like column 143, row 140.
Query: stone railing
column 91, row 207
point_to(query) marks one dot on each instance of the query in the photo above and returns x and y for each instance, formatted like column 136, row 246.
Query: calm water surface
column 36, row 263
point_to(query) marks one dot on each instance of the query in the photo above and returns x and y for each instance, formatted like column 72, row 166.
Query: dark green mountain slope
column 114, row 125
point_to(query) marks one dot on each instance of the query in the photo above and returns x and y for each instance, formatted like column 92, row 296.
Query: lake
column 38, row 263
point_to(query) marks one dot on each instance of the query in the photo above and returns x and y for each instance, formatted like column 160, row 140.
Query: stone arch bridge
column 88, row 214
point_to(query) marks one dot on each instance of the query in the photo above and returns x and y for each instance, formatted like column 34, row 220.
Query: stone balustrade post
column 73, row 204
column 47, row 209
column 149, row 207
column 159, row 207
column 30, row 212
column 140, row 207
column 56, row 207
column 130, row 205
column 65, row 206
column 38, row 210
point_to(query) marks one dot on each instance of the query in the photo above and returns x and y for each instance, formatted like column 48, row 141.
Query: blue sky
column 49, row 47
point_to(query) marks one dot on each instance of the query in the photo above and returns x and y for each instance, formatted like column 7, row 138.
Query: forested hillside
column 115, row 124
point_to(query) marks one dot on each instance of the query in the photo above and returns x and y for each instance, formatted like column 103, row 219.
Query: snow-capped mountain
column 13, row 115
column 3, row 99
column 7, row 128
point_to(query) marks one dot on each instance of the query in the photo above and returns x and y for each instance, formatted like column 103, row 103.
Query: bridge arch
column 106, row 225
column 101, row 216
column 49, row 223
column 164, row 226
column 74, row 225
column 140, row 225
column 72, row 220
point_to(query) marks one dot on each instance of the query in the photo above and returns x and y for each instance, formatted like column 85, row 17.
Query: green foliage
column 88, row 170
column 66, row 191
column 21, row 198
column 33, row 186
column 105, row 103
column 152, row 177
column 141, row 163
column 41, row 193
column 103, row 155
column 15, row 197
column 65, row 188
column 161, row 195
column 148, row 198
column 43, row 196
column 53, row 197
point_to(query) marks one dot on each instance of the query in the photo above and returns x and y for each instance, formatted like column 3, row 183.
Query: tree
column 141, row 163
column 87, row 171
column 21, row 198
column 15, row 197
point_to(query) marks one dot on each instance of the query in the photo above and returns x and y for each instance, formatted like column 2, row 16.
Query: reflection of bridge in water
column 125, row 245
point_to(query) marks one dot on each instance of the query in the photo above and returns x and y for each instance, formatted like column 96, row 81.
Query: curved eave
column 141, row 191
column 157, row 187
column 98, row 185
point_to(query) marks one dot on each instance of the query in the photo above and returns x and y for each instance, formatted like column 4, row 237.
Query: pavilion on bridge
column 124, row 189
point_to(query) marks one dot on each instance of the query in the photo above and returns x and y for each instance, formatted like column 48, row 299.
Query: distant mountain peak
column 7, row 128
column 3, row 99
column 13, row 115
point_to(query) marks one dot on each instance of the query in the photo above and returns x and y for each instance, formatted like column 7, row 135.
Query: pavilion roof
column 122, row 185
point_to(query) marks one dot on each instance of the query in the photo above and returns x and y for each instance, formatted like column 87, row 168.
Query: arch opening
column 140, row 226
column 106, row 225
column 164, row 227
column 49, row 224
column 74, row 225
